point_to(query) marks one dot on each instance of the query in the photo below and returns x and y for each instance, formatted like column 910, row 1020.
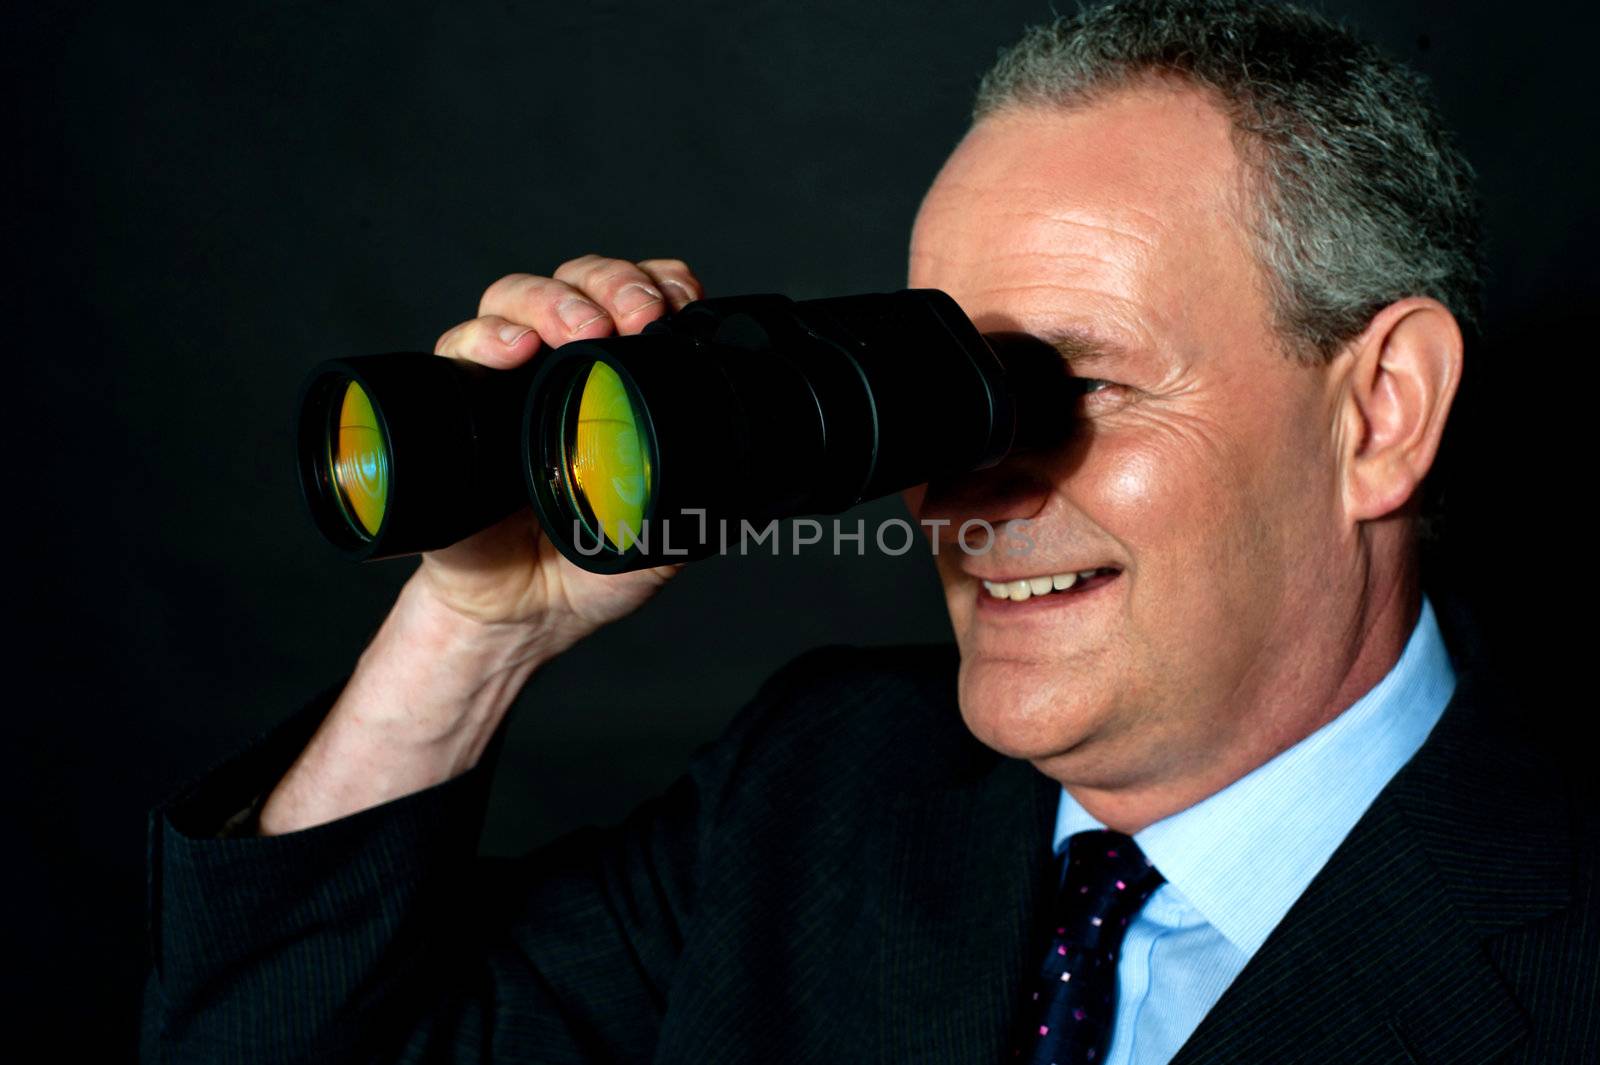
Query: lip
column 1007, row 579
column 1039, row 573
column 1079, row 595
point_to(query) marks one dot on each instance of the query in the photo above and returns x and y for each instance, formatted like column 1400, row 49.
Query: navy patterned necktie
column 1074, row 998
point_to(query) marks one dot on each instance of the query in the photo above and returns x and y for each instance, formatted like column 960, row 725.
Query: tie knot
column 1106, row 882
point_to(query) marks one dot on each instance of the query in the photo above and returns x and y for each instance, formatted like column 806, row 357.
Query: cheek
column 1157, row 490
column 1133, row 482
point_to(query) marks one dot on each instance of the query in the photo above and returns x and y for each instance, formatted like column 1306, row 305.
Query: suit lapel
column 1373, row 963
column 959, row 902
column 1383, row 957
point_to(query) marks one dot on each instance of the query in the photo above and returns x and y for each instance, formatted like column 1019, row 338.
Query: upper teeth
column 1019, row 590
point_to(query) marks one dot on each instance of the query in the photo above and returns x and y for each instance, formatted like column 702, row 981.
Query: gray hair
column 1361, row 198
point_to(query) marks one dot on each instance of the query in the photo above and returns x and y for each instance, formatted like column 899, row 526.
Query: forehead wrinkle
column 1081, row 272
column 1048, row 246
column 983, row 220
column 1056, row 216
column 1107, row 227
column 978, row 246
column 1079, row 282
column 1005, row 256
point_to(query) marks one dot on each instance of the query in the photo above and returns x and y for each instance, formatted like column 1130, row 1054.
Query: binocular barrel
column 642, row 450
column 409, row 452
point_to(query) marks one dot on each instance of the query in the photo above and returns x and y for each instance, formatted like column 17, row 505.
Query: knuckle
column 503, row 290
column 577, row 267
column 617, row 277
column 674, row 276
column 666, row 266
column 473, row 333
column 455, row 339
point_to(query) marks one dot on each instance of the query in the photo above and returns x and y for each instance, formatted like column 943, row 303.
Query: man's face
column 1203, row 472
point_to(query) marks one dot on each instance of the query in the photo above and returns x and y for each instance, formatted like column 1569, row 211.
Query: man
column 1293, row 820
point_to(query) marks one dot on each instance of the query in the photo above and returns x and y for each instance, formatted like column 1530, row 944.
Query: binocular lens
column 606, row 458
column 359, row 463
column 408, row 452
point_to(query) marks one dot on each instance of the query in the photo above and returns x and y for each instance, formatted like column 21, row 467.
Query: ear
column 1402, row 378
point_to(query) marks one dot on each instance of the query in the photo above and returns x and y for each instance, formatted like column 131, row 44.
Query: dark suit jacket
column 847, row 876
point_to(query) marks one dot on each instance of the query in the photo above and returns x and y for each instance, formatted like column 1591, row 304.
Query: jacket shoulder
column 889, row 712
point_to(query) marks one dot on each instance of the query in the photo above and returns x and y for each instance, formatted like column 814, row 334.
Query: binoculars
column 632, row 449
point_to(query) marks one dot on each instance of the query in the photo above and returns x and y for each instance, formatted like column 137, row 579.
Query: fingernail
column 510, row 333
column 636, row 297
column 576, row 313
column 684, row 296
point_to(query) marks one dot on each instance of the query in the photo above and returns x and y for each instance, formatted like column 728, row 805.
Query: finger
column 628, row 294
column 674, row 278
column 557, row 310
column 490, row 340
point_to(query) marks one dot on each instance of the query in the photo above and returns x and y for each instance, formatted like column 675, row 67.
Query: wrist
column 475, row 649
column 433, row 677
column 423, row 703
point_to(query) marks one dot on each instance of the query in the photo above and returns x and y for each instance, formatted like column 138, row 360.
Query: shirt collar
column 1243, row 855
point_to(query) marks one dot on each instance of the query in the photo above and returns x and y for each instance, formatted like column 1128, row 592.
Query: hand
column 478, row 617
column 511, row 574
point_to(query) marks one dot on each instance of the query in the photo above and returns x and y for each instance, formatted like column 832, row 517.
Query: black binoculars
column 632, row 449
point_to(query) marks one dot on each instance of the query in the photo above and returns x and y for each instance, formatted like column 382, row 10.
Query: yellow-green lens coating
column 359, row 462
column 607, row 460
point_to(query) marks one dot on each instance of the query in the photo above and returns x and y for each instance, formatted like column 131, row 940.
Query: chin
column 1025, row 709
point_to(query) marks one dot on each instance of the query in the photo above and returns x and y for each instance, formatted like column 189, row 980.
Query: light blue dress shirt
column 1237, row 860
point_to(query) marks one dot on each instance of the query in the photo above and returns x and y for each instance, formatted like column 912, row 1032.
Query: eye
column 1097, row 396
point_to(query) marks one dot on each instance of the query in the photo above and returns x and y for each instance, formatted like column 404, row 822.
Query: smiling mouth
column 1025, row 588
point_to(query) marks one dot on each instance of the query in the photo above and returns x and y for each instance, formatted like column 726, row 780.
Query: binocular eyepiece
column 633, row 449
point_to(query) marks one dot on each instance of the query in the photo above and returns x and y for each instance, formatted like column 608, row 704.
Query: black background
column 212, row 197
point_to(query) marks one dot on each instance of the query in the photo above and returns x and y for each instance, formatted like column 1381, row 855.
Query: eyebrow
column 1080, row 348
